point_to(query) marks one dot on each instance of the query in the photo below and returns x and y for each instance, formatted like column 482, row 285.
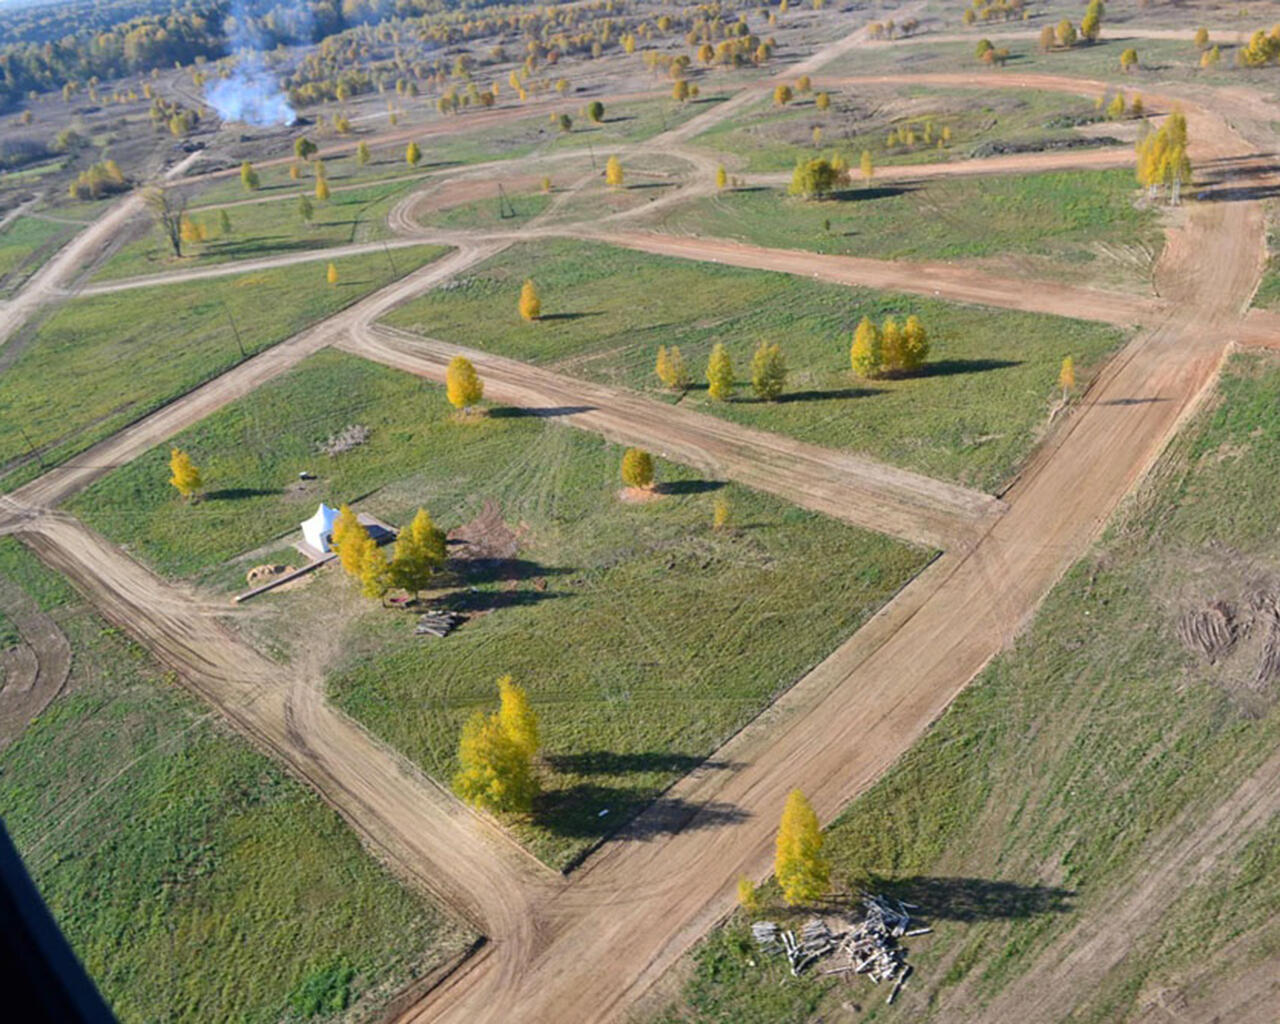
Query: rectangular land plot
column 645, row 636
column 1072, row 225
column 25, row 245
column 1084, row 763
column 767, row 137
column 193, row 878
column 101, row 362
column 971, row 417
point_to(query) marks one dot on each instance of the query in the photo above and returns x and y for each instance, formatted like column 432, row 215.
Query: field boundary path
column 586, row 947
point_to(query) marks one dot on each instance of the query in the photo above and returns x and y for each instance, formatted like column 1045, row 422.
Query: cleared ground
column 971, row 417
column 1072, row 225
column 645, row 637
column 260, row 904
column 99, row 363
column 1025, row 828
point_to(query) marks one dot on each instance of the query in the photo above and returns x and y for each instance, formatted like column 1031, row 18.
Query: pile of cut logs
column 869, row 946
column 438, row 623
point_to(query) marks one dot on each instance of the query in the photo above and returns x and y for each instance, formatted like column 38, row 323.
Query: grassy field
column 1160, row 60
column 535, row 135
column 1268, row 294
column 972, row 417
column 25, row 245
column 1059, row 219
column 268, row 228
column 645, row 637
column 1048, row 787
column 513, row 210
column 101, row 362
column 193, row 878
column 770, row 138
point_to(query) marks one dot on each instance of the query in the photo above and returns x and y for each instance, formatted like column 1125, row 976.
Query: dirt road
column 856, row 489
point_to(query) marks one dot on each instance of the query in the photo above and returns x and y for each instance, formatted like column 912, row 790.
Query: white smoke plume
column 251, row 94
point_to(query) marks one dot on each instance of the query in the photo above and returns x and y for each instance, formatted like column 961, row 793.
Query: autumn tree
column 564, row 121
column 865, row 353
column 463, row 385
column 420, row 550
column 720, row 373
column 530, row 304
column 1091, row 23
column 1162, row 158
column 362, row 153
column 637, row 468
column 822, row 101
column 1136, row 107
column 613, row 172
column 186, row 477
column 768, row 371
column 303, row 147
column 671, row 368
column 891, row 357
column 813, row 178
column 595, row 111
column 305, row 210
column 345, row 526
column 915, row 344
column 868, row 166
column 322, row 189
column 803, row 873
column 519, row 721
column 167, row 208
column 747, row 898
column 331, row 275
column 782, row 95
column 248, row 177
column 1128, row 59
column 1201, row 38
column 496, row 774
column 1065, row 33
column 803, row 84
column 1047, row 39
column 680, row 90
column 1067, row 377
column 722, row 177
column 412, row 154
column 374, row 571
column 721, row 514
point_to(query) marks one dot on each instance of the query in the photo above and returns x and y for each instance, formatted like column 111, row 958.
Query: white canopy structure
column 318, row 530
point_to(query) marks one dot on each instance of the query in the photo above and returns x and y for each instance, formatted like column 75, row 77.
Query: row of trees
column 418, row 555
column 820, row 176
column 888, row 349
column 1162, row 159
column 768, row 371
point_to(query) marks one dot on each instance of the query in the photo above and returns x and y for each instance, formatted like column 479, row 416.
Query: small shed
column 318, row 530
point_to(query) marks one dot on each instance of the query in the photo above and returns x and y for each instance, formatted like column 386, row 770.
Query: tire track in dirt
column 35, row 671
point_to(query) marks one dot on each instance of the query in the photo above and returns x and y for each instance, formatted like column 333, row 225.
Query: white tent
column 318, row 530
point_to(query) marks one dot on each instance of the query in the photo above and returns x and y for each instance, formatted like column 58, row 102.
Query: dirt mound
column 261, row 574
column 486, row 537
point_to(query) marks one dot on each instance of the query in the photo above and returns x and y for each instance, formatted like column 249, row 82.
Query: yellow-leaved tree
column 722, row 514
column 868, row 166
column 890, row 345
column 322, row 189
column 463, row 385
column 803, row 873
column 915, row 344
column 768, row 371
column 420, row 550
column 722, row 177
column 864, row 355
column 375, row 573
column 496, row 774
column 412, row 154
column 331, row 275
column 613, row 172
column 348, row 540
column 637, row 468
column 671, row 369
column 530, row 304
column 519, row 720
column 719, row 373
column 186, row 477
column 747, row 898
column 1067, row 377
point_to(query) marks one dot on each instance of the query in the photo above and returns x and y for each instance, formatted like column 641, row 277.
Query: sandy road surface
column 849, row 487
column 942, row 280
column 1008, row 163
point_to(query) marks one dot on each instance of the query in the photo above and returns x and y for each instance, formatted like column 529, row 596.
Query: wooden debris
column 345, row 439
column 438, row 623
column 766, row 934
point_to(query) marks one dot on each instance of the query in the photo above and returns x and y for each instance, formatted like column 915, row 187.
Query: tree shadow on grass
column 608, row 762
column 589, row 811
column 973, row 899
column 509, row 412
column 689, row 486
column 473, row 602
column 953, row 367
column 568, row 316
column 853, row 195
column 811, row 395
column 237, row 493
column 475, row 571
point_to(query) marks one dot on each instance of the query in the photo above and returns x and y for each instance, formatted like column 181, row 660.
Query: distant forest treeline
column 44, row 47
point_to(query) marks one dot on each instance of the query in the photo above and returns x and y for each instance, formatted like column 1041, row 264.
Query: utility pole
column 34, row 450
column 394, row 271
